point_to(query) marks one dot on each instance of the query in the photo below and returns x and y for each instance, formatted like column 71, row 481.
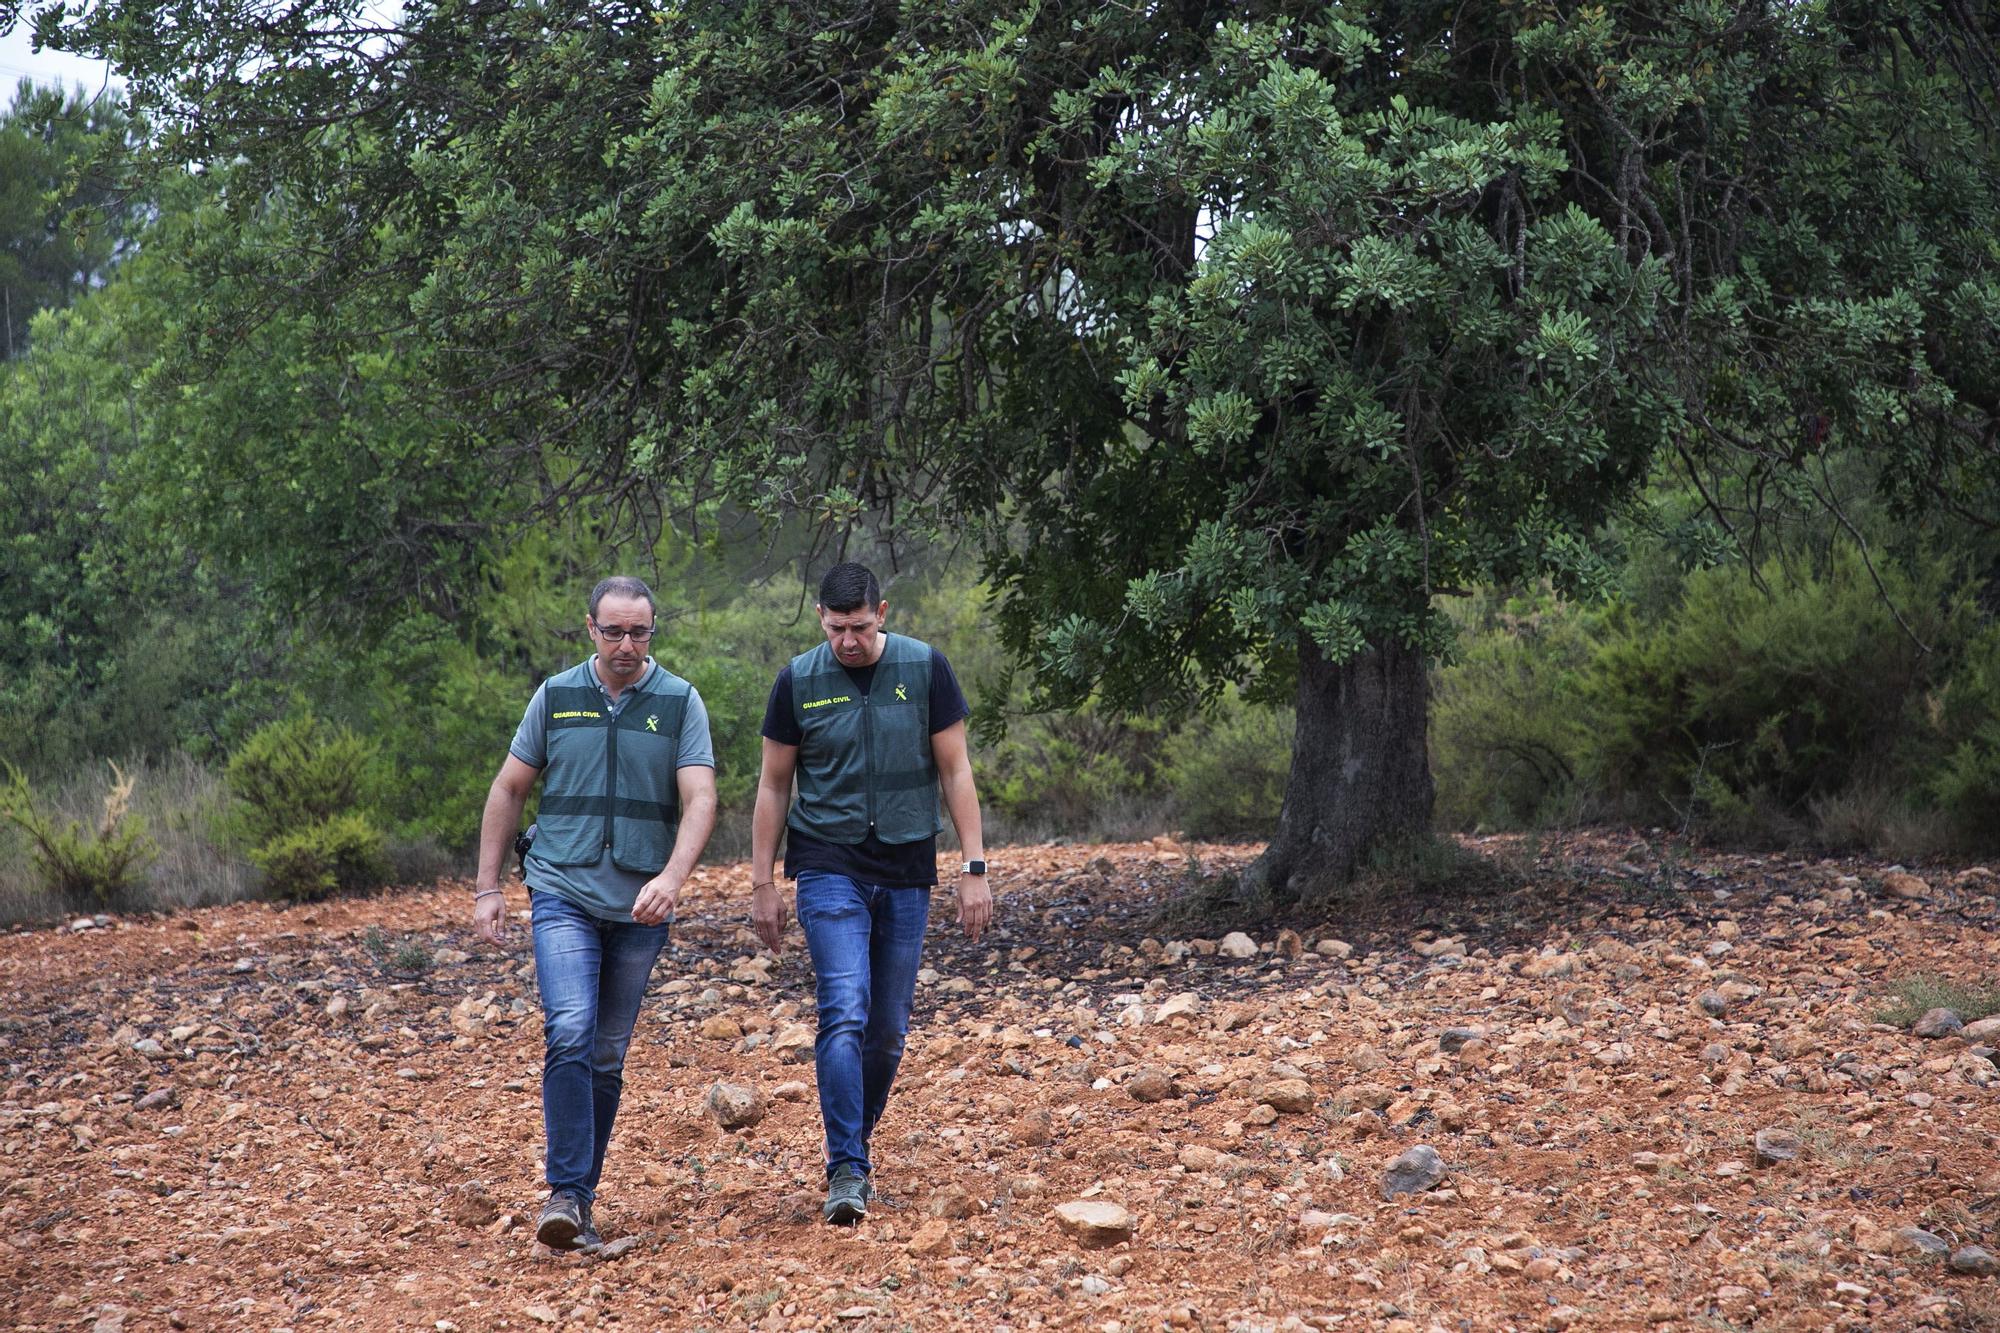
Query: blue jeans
column 592, row 974
column 867, row 942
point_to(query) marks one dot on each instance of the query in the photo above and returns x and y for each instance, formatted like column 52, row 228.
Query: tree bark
column 1360, row 775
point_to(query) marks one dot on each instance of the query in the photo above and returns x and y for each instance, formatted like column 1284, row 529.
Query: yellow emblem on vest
column 902, row 693
column 652, row 722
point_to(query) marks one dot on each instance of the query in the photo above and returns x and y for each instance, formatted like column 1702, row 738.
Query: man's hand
column 489, row 917
column 768, row 915
column 975, row 906
column 656, row 902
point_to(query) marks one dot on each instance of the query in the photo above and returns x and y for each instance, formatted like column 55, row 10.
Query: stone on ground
column 1095, row 1223
column 1776, row 1145
column 1416, row 1170
column 1938, row 1023
column 735, row 1106
column 1974, row 1260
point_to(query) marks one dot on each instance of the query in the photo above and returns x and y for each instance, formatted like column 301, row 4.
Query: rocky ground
column 1620, row 1091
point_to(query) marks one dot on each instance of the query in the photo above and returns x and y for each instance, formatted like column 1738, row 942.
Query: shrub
column 1910, row 998
column 1079, row 774
column 297, row 772
column 299, row 782
column 340, row 854
column 412, row 956
column 1506, row 737
column 1226, row 770
column 444, row 715
column 187, row 809
column 1967, row 784
column 84, row 868
column 1749, row 704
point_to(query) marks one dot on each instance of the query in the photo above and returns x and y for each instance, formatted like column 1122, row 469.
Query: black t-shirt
column 870, row 861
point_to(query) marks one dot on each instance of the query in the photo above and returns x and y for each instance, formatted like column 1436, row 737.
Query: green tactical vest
column 611, row 783
column 865, row 760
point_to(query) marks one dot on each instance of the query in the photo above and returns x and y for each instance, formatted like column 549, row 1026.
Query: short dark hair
column 849, row 587
column 623, row 585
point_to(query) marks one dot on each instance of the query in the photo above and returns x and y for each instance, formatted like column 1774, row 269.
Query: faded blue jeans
column 592, row 974
column 867, row 942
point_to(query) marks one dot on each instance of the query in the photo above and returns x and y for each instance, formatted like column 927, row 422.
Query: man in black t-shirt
column 872, row 726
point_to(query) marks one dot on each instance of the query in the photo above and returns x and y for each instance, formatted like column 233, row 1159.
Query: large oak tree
column 1234, row 333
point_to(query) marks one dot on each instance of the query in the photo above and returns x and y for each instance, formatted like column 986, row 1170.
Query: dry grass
column 1913, row 997
column 182, row 803
column 1879, row 820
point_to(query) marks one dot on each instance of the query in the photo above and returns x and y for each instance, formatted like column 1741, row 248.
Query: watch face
column 975, row 867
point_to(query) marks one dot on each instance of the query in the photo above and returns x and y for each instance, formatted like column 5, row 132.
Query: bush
column 341, row 854
column 444, row 715
column 1967, row 784
column 187, row 810
column 1768, row 706
column 300, row 782
column 1079, row 774
column 84, row 868
column 297, row 772
column 1226, row 770
column 412, row 956
column 1505, row 733
column 1910, row 998
column 1749, row 705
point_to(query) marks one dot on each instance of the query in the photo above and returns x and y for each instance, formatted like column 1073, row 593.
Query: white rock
column 1095, row 1223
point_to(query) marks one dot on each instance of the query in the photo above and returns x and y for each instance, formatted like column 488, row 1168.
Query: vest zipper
column 868, row 758
column 610, row 771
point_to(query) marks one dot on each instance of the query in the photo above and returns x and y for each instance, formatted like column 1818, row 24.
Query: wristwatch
column 972, row 868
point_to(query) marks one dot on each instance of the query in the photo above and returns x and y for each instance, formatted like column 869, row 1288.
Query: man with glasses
column 872, row 725
column 628, row 802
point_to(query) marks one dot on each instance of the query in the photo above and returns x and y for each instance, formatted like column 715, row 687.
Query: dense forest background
column 1773, row 657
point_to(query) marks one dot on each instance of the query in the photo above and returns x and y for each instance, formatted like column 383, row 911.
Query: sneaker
column 846, row 1197
column 562, row 1220
column 587, row 1238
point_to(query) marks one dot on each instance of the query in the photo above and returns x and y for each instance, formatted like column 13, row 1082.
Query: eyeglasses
column 618, row 633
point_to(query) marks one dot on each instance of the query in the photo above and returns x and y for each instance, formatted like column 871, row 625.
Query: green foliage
column 1967, row 782
column 1776, row 704
column 298, row 771
column 338, row 854
column 411, row 956
column 1752, row 702
column 1226, row 770
column 439, row 713
column 301, row 785
column 1232, row 337
column 1081, row 771
column 184, row 804
column 1505, row 735
column 64, row 216
column 84, row 868
column 116, row 638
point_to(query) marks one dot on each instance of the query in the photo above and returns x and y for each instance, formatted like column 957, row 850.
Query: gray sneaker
column 587, row 1238
column 563, row 1219
column 846, row 1197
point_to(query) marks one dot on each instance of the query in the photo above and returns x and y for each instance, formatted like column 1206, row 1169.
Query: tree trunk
column 1360, row 772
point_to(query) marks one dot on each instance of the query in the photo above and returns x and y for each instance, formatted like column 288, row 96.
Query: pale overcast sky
column 18, row 61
